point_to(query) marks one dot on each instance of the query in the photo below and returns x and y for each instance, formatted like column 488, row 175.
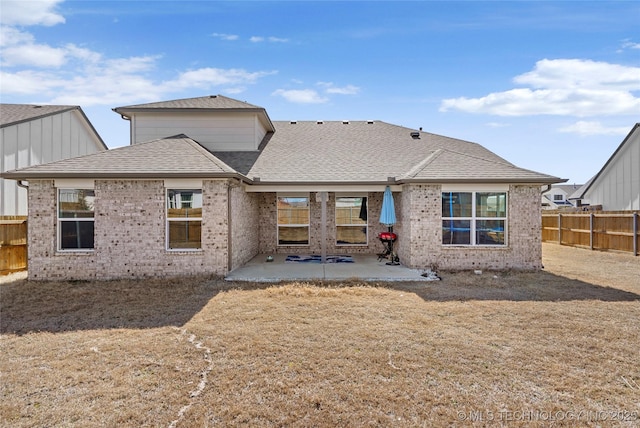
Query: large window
column 75, row 219
column 293, row 220
column 474, row 218
column 351, row 221
column 184, row 219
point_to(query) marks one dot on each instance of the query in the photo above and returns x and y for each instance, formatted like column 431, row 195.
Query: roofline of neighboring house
column 122, row 111
column 71, row 108
column 588, row 185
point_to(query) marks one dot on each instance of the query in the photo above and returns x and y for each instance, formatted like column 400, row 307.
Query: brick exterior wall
column 245, row 225
column 422, row 247
column 129, row 234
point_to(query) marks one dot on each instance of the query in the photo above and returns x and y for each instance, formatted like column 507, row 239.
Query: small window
column 184, row 219
column 474, row 218
column 293, row 220
column 75, row 219
column 558, row 198
column 351, row 221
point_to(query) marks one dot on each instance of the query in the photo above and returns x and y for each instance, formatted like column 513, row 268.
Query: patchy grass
column 513, row 349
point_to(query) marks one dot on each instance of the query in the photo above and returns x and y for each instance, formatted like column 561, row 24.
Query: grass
column 558, row 347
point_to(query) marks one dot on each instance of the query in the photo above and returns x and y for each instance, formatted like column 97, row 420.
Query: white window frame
column 60, row 220
column 366, row 225
column 474, row 218
column 176, row 219
column 307, row 225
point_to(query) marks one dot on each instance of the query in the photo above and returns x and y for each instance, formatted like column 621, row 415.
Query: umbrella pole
column 392, row 260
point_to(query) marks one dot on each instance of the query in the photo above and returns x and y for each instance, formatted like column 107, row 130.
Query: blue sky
column 550, row 86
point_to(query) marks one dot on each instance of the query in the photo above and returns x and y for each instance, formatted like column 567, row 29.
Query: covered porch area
column 365, row 267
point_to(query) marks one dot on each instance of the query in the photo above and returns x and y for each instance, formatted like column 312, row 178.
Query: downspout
column 229, row 229
column 24, row 186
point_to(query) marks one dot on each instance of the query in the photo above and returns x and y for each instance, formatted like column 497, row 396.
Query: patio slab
column 365, row 267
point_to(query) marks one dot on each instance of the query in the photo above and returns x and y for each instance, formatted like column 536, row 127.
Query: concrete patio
column 365, row 267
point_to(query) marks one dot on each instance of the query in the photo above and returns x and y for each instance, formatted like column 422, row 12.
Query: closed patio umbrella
column 388, row 218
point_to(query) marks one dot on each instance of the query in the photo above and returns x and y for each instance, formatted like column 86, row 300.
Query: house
column 616, row 187
column 36, row 134
column 208, row 183
column 557, row 196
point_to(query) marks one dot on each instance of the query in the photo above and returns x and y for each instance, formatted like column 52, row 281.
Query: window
column 474, row 218
column 351, row 221
column 293, row 220
column 75, row 219
column 184, row 219
column 558, row 198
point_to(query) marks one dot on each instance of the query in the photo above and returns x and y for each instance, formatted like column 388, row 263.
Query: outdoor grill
column 387, row 239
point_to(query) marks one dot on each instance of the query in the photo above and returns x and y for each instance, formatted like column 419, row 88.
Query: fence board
column 614, row 231
column 13, row 245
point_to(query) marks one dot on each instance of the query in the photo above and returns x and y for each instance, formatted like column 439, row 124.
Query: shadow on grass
column 71, row 306
column 514, row 286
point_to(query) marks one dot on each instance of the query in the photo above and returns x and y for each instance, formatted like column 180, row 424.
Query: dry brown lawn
column 554, row 348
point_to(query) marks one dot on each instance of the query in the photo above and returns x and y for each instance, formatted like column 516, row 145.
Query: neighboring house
column 616, row 187
column 37, row 134
column 557, row 196
column 220, row 182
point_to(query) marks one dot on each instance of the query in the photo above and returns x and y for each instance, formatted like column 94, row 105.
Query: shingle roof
column 177, row 156
column 11, row 114
column 208, row 102
column 366, row 151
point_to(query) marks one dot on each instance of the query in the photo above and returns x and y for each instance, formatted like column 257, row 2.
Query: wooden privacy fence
column 596, row 231
column 13, row 244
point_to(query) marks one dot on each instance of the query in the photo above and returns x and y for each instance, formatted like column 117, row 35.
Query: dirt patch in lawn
column 558, row 347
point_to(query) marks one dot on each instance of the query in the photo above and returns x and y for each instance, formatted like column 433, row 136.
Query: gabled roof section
column 451, row 166
column 211, row 103
column 13, row 114
column 372, row 152
column 177, row 157
column 581, row 192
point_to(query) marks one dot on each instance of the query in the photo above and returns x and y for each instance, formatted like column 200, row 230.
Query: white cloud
column 497, row 125
column 330, row 88
column 585, row 128
column 223, row 36
column 628, row 44
column 271, row 39
column 301, row 96
column 28, row 12
column 256, row 39
column 72, row 74
column 570, row 87
column 277, row 40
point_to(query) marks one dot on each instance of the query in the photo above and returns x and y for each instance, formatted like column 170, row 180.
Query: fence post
column 591, row 231
column 559, row 229
column 635, row 233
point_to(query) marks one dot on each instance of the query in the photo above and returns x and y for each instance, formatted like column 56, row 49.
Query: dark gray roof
column 373, row 151
column 177, row 156
column 12, row 114
column 208, row 102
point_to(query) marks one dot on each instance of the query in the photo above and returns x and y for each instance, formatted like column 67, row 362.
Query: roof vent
column 294, row 122
column 213, row 96
column 345, row 122
column 320, row 122
column 415, row 135
column 370, row 122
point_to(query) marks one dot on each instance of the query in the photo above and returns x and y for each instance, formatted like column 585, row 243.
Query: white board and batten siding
column 617, row 187
column 219, row 131
column 41, row 140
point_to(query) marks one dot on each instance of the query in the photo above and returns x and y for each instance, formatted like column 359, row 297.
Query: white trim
column 332, row 188
column 182, row 183
column 489, row 187
column 75, row 183
column 473, row 219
